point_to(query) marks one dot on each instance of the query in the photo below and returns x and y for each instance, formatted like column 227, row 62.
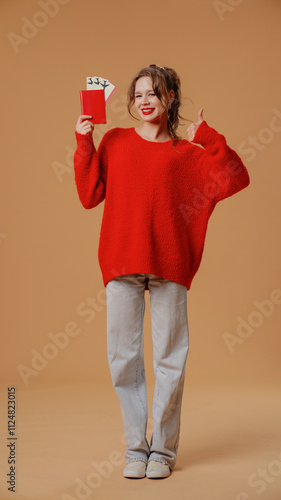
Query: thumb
column 200, row 115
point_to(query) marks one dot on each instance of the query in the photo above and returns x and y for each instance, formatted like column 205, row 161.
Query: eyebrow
column 139, row 91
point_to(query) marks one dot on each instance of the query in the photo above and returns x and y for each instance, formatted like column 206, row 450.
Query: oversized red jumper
column 158, row 199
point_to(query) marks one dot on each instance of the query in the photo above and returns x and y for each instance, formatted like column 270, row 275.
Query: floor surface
column 70, row 445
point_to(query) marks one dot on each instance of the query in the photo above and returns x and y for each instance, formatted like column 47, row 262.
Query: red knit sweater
column 158, row 199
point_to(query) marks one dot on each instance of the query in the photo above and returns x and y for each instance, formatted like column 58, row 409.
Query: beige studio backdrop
column 227, row 54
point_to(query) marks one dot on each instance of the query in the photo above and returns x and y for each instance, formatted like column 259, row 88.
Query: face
column 147, row 104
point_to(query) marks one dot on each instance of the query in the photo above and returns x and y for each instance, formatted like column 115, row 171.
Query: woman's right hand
column 83, row 125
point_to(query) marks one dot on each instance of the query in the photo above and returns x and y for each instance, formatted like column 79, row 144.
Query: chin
column 154, row 119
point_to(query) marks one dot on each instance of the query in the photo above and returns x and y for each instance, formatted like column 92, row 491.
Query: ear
column 172, row 95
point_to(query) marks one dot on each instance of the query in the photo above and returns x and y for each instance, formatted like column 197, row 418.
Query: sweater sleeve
column 90, row 170
column 222, row 168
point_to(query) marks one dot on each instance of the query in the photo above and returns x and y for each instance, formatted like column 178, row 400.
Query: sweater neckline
column 147, row 140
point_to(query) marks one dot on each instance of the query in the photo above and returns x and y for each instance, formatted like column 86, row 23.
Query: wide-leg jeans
column 125, row 314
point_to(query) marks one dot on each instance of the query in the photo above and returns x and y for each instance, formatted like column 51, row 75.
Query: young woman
column 159, row 192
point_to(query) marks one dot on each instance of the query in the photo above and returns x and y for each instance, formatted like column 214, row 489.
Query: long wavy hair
column 163, row 81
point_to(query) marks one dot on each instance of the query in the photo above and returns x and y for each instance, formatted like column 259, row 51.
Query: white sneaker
column 135, row 469
column 157, row 469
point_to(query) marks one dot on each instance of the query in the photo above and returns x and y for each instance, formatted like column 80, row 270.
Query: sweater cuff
column 83, row 138
column 205, row 135
column 85, row 142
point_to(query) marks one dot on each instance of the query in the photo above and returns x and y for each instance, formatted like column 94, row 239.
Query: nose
column 144, row 100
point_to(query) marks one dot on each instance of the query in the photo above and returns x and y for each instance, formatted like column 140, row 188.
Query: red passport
column 93, row 103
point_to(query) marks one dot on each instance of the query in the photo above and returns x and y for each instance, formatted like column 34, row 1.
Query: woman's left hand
column 192, row 129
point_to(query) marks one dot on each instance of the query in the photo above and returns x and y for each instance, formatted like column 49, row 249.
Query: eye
column 152, row 93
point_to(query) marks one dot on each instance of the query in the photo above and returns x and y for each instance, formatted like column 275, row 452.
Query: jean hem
column 162, row 460
column 137, row 459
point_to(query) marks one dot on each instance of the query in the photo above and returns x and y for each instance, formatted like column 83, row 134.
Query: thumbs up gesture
column 192, row 129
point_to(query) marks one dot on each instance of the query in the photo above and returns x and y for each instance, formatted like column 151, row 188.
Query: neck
column 154, row 131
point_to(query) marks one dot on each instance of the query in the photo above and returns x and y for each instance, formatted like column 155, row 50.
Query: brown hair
column 163, row 80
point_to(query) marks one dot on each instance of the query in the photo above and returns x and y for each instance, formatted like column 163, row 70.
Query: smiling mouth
column 147, row 111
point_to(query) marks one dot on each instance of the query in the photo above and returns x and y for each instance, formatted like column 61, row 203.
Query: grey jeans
column 125, row 314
